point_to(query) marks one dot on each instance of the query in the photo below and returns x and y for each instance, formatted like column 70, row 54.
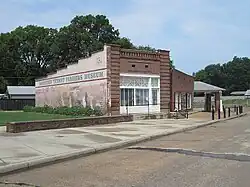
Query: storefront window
column 127, row 97
column 154, row 82
column 154, row 96
column 142, row 96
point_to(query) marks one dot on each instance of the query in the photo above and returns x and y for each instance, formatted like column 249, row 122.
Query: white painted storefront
column 139, row 93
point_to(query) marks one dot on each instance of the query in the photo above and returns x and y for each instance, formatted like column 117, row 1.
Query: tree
column 146, row 48
column 233, row 75
column 3, row 85
column 8, row 56
column 32, row 51
column 172, row 64
column 212, row 73
column 26, row 53
column 84, row 35
column 35, row 56
column 124, row 43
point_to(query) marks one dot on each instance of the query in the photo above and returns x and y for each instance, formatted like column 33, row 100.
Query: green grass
column 232, row 102
column 16, row 116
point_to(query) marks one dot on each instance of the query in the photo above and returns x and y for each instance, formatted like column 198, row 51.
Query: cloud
column 197, row 32
column 50, row 13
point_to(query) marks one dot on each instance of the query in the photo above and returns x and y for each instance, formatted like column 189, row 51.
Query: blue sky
column 197, row 32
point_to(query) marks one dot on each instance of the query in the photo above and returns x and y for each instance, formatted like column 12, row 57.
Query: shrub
column 28, row 108
column 71, row 111
column 98, row 111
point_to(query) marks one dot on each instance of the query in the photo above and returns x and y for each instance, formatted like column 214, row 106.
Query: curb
column 8, row 169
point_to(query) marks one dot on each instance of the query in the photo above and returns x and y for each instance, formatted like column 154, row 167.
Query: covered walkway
column 209, row 91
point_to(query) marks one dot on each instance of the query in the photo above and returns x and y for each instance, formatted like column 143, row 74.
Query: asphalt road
column 218, row 155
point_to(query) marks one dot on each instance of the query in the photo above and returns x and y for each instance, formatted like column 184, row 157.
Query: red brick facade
column 182, row 84
column 139, row 62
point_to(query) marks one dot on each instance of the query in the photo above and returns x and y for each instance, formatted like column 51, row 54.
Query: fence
column 14, row 104
column 228, row 101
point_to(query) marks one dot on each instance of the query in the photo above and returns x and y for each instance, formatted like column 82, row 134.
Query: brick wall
column 16, row 127
column 181, row 83
column 138, row 62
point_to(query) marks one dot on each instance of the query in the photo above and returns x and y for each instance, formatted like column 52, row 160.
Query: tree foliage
column 83, row 36
column 3, row 83
column 124, row 43
column 30, row 52
column 26, row 53
column 233, row 75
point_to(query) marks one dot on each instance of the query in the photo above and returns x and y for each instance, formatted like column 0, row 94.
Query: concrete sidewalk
column 25, row 150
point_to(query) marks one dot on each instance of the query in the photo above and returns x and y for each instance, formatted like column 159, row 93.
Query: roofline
column 82, row 58
column 173, row 69
column 218, row 88
column 207, row 91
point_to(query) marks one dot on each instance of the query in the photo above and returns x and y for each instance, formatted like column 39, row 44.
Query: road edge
column 13, row 168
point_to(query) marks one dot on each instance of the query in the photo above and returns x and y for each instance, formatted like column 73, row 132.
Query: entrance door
column 176, row 101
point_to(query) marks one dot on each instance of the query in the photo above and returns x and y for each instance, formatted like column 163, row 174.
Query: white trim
column 136, row 87
column 140, row 109
column 139, row 75
column 190, row 101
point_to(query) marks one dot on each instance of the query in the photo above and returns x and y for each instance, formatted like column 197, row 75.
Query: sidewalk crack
column 227, row 156
column 18, row 184
column 35, row 150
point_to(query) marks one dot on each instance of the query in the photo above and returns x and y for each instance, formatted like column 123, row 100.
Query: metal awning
column 206, row 88
column 247, row 93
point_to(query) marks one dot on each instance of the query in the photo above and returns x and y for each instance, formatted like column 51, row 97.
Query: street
column 216, row 155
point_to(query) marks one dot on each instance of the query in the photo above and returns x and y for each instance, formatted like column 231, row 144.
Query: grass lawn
column 232, row 102
column 27, row 116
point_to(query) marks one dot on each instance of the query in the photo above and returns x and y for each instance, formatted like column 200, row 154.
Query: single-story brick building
column 112, row 79
column 115, row 79
column 182, row 90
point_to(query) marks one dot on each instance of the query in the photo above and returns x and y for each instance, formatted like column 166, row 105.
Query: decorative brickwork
column 114, row 78
column 165, row 82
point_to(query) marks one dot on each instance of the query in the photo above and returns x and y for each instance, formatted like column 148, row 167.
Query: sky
column 197, row 32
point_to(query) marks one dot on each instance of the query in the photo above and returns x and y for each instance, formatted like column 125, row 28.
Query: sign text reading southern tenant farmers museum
column 73, row 78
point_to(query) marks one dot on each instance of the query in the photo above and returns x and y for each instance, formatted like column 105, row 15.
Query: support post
column 229, row 112
column 213, row 112
column 217, row 100
column 148, row 108
column 224, row 111
column 127, row 108
column 186, row 101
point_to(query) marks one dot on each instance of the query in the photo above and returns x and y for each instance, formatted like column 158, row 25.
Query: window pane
column 131, row 97
column 154, row 96
column 127, row 97
column 145, row 97
column 142, row 97
column 139, row 97
column 155, row 82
